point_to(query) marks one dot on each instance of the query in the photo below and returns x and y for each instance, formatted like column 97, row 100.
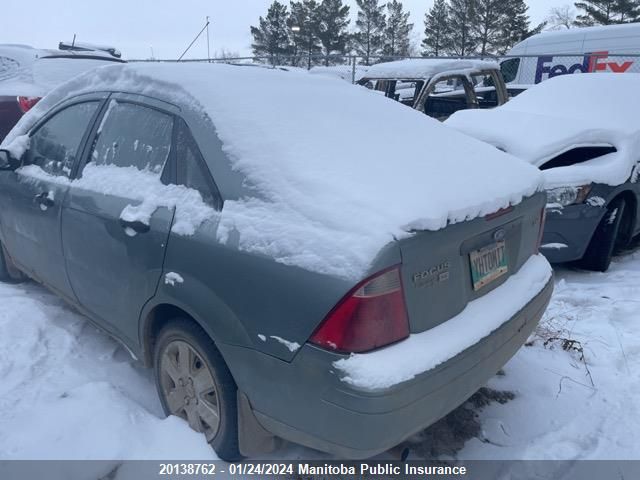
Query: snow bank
column 424, row 351
column 425, row 68
column 70, row 392
column 561, row 114
column 566, row 407
column 325, row 191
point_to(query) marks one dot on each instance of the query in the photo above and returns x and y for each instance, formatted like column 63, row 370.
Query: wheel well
column 627, row 227
column 156, row 319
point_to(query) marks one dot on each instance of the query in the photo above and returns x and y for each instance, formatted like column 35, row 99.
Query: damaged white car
column 583, row 132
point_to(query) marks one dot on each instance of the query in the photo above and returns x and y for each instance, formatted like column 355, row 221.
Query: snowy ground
column 70, row 392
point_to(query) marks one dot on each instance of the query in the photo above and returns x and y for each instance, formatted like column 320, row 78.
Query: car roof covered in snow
column 425, row 68
column 32, row 72
column 562, row 113
column 332, row 191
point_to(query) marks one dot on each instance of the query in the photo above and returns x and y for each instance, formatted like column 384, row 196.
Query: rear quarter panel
column 244, row 299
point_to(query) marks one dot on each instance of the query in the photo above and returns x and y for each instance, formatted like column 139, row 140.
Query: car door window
column 132, row 135
column 54, row 145
column 191, row 169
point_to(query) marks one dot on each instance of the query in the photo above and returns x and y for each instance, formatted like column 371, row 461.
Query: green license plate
column 488, row 264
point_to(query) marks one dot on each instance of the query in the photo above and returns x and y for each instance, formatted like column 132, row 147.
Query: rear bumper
column 567, row 232
column 306, row 401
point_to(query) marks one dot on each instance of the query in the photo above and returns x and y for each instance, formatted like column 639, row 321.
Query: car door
column 32, row 197
column 114, row 264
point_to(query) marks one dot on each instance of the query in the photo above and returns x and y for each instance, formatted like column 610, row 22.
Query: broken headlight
column 565, row 196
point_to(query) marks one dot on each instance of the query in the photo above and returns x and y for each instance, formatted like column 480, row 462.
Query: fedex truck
column 611, row 48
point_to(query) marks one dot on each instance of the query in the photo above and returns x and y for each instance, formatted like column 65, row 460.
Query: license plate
column 488, row 264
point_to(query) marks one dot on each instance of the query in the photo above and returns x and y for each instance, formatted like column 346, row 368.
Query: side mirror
column 8, row 162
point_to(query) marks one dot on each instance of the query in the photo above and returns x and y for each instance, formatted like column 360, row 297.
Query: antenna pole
column 74, row 41
column 194, row 40
column 208, row 42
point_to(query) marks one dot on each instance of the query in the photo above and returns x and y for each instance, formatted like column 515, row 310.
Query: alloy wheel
column 189, row 388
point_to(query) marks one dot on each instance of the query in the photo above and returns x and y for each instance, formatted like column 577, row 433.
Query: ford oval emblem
column 499, row 235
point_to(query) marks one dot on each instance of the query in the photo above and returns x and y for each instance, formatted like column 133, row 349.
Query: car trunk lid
column 443, row 271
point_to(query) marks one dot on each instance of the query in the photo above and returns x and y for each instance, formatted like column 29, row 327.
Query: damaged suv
column 439, row 87
column 583, row 132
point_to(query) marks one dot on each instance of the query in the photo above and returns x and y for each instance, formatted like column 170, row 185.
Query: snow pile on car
column 426, row 68
column 336, row 172
column 561, row 114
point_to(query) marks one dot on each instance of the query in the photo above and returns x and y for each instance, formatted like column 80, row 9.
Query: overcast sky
column 167, row 26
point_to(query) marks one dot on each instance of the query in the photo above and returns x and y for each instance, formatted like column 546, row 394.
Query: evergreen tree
column 436, row 28
column 517, row 25
column 271, row 38
column 397, row 41
column 463, row 17
column 492, row 20
column 371, row 22
column 596, row 12
column 333, row 21
column 303, row 24
column 628, row 10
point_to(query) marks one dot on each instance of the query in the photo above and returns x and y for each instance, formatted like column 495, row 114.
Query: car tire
column 604, row 241
column 193, row 382
column 8, row 272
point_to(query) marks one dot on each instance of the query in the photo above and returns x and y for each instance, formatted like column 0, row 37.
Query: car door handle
column 135, row 225
column 44, row 199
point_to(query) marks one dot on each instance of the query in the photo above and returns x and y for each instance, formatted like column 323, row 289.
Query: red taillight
column 371, row 315
column 543, row 217
column 27, row 103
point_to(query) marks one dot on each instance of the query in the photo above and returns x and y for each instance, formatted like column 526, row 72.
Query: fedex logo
column 592, row 62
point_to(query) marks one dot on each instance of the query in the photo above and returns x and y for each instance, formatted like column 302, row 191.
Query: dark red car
column 27, row 74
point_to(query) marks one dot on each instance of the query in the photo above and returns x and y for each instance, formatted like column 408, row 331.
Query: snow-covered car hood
column 561, row 114
column 332, row 190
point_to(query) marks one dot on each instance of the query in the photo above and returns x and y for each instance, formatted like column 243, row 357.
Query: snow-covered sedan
column 28, row 74
column 583, row 132
column 286, row 273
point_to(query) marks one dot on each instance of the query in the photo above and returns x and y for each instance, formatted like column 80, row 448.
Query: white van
column 610, row 48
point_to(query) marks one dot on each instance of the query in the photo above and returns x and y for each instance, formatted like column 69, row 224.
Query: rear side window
column 131, row 135
column 54, row 146
column 192, row 170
